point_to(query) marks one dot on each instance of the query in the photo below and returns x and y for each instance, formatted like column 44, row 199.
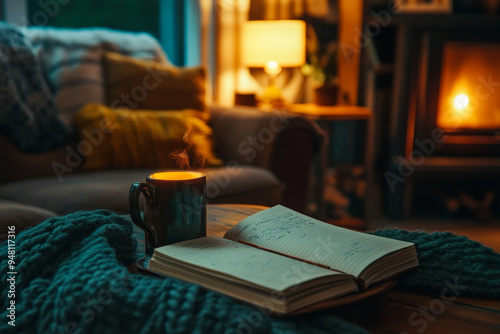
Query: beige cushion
column 141, row 84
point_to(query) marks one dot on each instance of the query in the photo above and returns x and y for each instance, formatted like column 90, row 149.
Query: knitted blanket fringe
column 71, row 278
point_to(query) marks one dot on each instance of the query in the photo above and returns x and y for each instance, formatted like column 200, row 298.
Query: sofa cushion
column 152, row 85
column 71, row 61
column 144, row 139
column 21, row 216
column 109, row 189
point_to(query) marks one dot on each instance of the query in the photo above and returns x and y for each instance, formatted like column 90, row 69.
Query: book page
column 288, row 232
column 266, row 269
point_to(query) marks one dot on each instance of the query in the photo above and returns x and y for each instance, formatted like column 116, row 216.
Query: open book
column 285, row 261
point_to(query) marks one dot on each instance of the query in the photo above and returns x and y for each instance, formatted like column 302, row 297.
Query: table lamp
column 273, row 44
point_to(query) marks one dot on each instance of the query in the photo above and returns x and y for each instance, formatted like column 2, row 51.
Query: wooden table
column 221, row 217
column 395, row 311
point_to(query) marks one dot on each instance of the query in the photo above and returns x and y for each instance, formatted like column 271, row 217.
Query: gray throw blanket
column 28, row 117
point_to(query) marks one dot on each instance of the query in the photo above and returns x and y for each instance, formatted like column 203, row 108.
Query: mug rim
column 200, row 175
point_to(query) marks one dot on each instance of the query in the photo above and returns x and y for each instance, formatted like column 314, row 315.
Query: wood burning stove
column 459, row 92
column 445, row 117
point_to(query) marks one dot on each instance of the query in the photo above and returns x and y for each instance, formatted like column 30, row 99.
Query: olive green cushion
column 142, row 139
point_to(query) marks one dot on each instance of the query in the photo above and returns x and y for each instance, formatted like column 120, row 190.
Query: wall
column 15, row 11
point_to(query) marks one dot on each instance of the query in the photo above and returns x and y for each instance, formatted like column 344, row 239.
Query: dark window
column 126, row 15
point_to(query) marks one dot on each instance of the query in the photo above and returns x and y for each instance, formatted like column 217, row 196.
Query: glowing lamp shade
column 280, row 41
column 273, row 44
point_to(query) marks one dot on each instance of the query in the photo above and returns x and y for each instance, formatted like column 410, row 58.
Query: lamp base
column 272, row 96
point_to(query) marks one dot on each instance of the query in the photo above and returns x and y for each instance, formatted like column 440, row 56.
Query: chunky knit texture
column 447, row 259
column 71, row 278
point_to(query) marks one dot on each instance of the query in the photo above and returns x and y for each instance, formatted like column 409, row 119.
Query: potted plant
column 321, row 66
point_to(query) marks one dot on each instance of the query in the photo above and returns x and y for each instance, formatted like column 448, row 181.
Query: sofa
column 267, row 159
column 269, row 173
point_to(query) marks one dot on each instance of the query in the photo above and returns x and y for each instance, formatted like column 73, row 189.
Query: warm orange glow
column 461, row 101
column 176, row 176
column 350, row 45
column 469, row 94
column 281, row 41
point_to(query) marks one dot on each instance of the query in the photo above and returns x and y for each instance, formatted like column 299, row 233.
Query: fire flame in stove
column 461, row 101
column 469, row 89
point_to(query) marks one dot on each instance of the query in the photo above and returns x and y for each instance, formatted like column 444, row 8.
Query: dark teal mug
column 174, row 209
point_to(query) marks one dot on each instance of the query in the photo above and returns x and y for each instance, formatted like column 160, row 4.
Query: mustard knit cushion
column 142, row 84
column 143, row 139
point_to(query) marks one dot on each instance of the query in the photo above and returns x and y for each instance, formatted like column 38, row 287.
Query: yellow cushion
column 120, row 138
column 142, row 84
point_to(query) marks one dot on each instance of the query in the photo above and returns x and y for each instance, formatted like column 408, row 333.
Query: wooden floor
column 486, row 232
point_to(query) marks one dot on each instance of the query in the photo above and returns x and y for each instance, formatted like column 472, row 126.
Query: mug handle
column 151, row 235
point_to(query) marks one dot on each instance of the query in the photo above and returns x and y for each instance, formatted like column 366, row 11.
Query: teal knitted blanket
column 71, row 278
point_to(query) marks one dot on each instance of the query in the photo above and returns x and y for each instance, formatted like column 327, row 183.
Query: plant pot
column 326, row 95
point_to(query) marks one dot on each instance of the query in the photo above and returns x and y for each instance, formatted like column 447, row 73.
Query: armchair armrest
column 280, row 142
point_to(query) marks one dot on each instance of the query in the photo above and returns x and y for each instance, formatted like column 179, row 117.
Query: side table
column 324, row 115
